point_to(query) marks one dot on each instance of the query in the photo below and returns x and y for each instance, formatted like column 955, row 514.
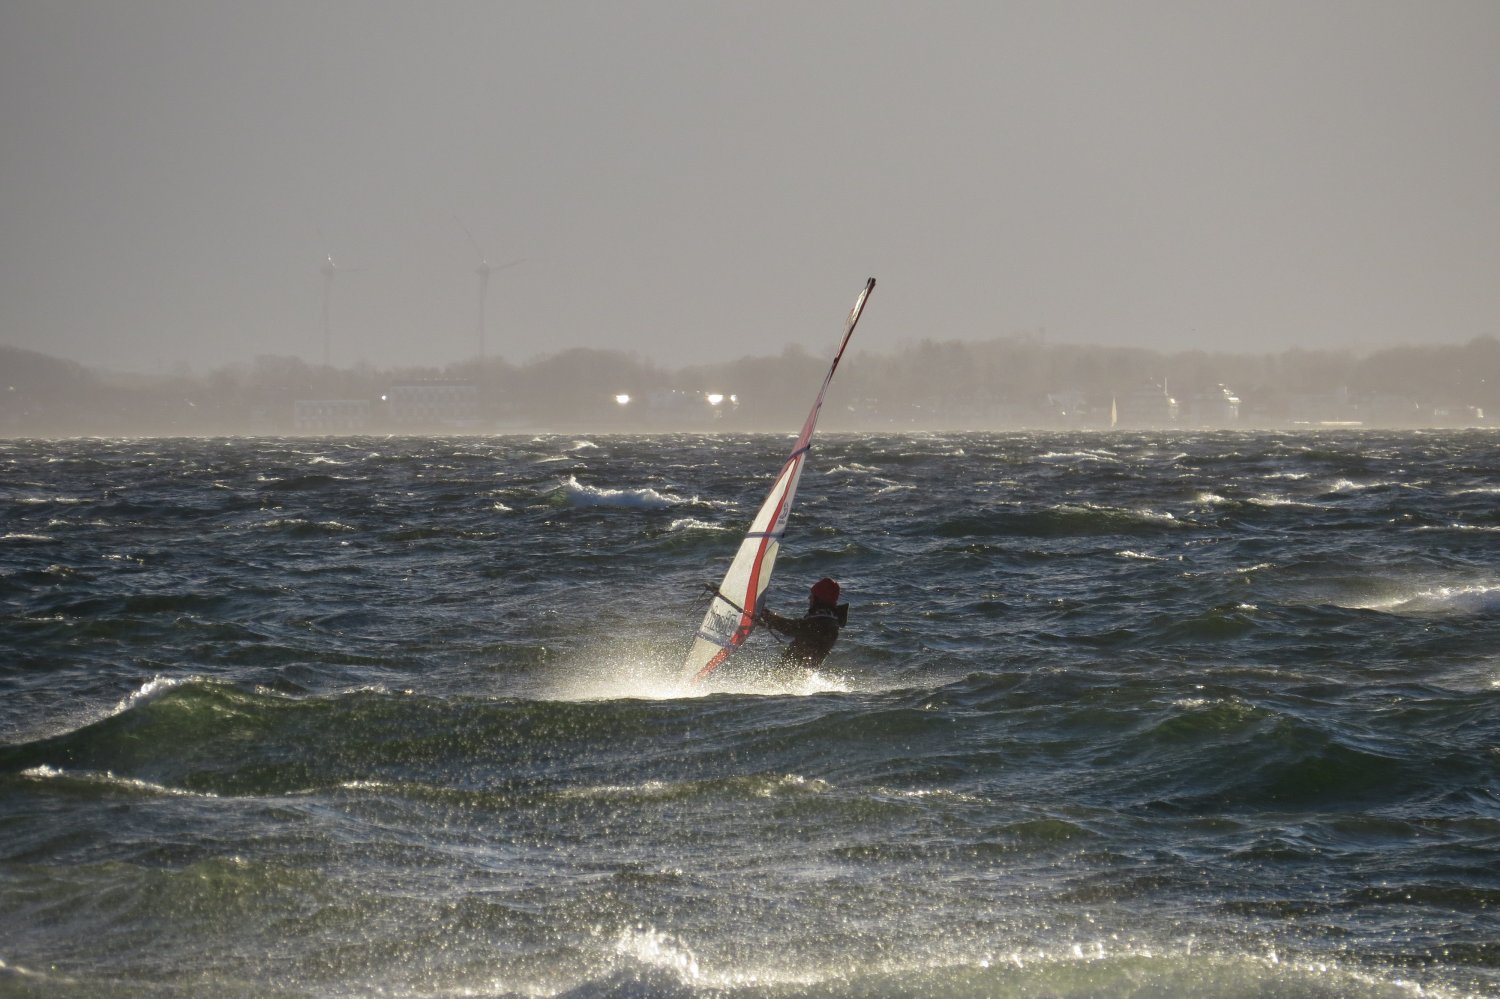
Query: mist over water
column 1116, row 715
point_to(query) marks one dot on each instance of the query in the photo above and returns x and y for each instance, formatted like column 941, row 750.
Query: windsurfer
column 814, row 633
column 745, row 582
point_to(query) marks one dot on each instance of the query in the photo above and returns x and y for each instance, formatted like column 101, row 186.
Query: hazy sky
column 701, row 180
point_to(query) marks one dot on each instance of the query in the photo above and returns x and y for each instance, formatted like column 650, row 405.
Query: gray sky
column 693, row 181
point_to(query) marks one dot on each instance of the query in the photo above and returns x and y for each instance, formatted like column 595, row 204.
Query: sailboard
column 733, row 607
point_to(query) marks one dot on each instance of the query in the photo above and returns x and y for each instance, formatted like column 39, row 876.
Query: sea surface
column 1147, row 715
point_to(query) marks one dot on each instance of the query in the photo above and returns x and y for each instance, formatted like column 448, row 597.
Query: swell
column 1231, row 693
column 1113, row 738
column 1058, row 522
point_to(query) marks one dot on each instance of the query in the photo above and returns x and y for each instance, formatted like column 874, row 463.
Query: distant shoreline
column 1020, row 383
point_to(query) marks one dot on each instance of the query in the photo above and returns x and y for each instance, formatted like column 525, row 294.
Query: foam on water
column 1428, row 599
column 645, row 498
column 108, row 780
column 1448, row 600
column 694, row 524
column 659, row 678
column 1106, row 722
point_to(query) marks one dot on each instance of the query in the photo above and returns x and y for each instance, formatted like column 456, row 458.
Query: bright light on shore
column 714, row 398
column 623, row 398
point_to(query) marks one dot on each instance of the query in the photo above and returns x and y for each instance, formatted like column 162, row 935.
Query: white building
column 330, row 416
column 432, row 406
column 1146, row 405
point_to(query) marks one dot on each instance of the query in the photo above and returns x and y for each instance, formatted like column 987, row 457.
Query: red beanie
column 825, row 591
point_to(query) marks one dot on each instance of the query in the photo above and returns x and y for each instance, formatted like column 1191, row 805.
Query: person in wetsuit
column 814, row 633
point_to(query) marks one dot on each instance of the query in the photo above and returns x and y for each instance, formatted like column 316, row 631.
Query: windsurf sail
column 735, row 603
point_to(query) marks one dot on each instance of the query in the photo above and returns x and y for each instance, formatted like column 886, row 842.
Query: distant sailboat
column 1114, row 413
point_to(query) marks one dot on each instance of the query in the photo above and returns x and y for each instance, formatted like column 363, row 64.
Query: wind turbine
column 329, row 270
column 484, row 270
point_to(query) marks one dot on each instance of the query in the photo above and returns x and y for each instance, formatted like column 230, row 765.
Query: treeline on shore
column 997, row 384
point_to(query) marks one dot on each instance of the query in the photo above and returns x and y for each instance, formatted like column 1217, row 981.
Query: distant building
column 1146, row 405
column 434, row 405
column 1217, row 407
column 1391, row 409
column 331, row 416
column 1334, row 406
column 672, row 405
column 1458, row 416
column 1069, row 406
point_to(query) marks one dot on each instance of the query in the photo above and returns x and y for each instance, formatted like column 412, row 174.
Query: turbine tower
column 329, row 270
column 484, row 270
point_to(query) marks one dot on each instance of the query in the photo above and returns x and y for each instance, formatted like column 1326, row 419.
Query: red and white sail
column 733, row 608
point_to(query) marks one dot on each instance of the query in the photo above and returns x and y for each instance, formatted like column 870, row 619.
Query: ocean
column 1196, row 714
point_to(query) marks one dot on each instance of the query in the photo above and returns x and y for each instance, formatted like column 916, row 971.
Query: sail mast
column 736, row 601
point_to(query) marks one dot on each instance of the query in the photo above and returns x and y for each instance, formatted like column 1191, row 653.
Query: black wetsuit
column 812, row 635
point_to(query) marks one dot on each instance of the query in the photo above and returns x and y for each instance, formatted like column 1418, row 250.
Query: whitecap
column 1271, row 500
column 851, row 468
column 1350, row 486
column 147, row 692
column 1162, row 516
column 1439, row 601
column 655, row 949
column 921, row 793
column 1075, row 456
column 694, row 524
column 110, row 779
column 1479, row 599
column 41, row 771
column 645, row 498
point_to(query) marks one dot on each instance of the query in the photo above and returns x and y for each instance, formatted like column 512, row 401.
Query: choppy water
column 1116, row 715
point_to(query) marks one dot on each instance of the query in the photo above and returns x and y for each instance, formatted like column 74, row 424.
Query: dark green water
column 1115, row 715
